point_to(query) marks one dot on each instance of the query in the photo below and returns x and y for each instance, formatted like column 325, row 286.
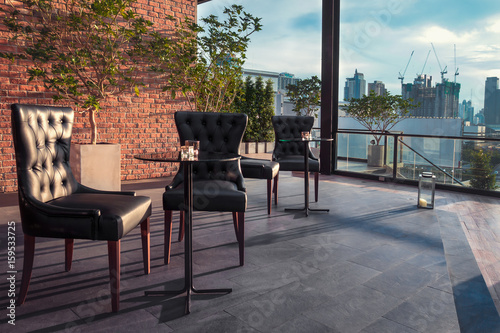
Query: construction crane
column 425, row 63
column 455, row 55
column 402, row 76
column 443, row 71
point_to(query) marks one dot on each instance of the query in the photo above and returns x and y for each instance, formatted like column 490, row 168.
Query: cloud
column 377, row 38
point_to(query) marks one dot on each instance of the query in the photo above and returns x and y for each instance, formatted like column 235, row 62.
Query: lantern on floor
column 426, row 190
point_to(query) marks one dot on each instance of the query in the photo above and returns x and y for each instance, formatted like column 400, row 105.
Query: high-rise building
column 378, row 88
column 355, row 87
column 491, row 102
column 440, row 101
column 466, row 111
column 284, row 80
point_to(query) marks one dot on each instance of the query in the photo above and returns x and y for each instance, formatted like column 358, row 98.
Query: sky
column 377, row 38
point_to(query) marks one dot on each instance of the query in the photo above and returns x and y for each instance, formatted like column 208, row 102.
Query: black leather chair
column 217, row 186
column 262, row 169
column 290, row 155
column 53, row 204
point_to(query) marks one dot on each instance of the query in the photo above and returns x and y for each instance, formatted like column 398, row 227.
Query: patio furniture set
column 53, row 204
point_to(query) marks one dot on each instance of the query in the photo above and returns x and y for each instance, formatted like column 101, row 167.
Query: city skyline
column 377, row 39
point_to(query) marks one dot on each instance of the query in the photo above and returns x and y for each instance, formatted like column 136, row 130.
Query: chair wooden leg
column 114, row 273
column 269, row 196
column 276, row 189
column 68, row 253
column 236, row 226
column 241, row 236
column 181, row 225
column 167, row 236
column 29, row 254
column 145, row 237
column 316, row 185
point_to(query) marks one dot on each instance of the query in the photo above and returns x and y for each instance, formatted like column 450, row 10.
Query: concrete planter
column 256, row 147
column 269, row 147
column 261, row 147
column 375, row 155
column 97, row 166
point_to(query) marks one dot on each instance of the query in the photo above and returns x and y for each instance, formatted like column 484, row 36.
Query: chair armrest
column 41, row 219
column 176, row 181
column 86, row 189
column 311, row 155
column 52, row 210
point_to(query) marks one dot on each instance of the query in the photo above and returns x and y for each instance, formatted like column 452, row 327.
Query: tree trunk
column 93, row 126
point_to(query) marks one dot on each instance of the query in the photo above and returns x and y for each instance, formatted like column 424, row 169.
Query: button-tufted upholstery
column 217, row 186
column 53, row 204
column 290, row 155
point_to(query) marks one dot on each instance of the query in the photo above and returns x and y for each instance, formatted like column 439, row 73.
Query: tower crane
column 443, row 71
column 425, row 63
column 455, row 55
column 402, row 76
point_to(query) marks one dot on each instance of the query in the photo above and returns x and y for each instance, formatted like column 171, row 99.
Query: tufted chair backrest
column 217, row 133
column 290, row 127
column 42, row 138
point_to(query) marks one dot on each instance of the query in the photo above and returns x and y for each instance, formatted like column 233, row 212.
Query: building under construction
column 440, row 101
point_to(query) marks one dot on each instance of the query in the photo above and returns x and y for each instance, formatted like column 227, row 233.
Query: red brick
column 139, row 124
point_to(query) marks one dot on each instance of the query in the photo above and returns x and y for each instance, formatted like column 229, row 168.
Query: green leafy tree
column 481, row 171
column 256, row 101
column 204, row 62
column 244, row 103
column 379, row 113
column 83, row 50
column 244, row 100
column 266, row 107
column 306, row 96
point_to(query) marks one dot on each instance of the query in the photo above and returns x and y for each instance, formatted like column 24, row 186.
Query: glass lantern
column 426, row 190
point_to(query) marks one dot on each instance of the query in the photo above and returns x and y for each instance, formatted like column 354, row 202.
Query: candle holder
column 426, row 190
column 195, row 145
column 187, row 153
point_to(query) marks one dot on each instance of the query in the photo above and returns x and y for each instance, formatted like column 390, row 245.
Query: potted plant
column 481, row 172
column 204, row 62
column 85, row 52
column 378, row 114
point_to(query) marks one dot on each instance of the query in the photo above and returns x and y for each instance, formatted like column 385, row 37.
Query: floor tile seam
column 394, row 321
column 434, row 275
column 376, row 269
column 399, row 301
column 242, row 321
column 444, row 291
column 400, row 261
column 480, row 220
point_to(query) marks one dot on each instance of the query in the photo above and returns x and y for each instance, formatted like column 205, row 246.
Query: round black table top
column 175, row 156
column 306, row 140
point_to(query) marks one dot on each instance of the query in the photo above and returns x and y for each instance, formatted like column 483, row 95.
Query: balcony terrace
column 374, row 263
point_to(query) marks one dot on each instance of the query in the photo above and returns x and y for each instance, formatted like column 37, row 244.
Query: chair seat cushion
column 260, row 169
column 296, row 163
column 208, row 195
column 119, row 214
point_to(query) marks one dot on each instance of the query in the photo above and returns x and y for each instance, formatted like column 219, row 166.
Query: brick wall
column 140, row 124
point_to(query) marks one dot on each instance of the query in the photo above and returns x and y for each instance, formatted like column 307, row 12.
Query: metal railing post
column 395, row 158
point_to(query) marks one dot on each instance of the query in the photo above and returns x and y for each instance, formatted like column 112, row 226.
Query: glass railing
column 465, row 162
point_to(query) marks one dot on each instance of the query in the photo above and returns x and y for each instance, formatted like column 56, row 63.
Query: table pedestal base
column 189, row 291
column 306, row 210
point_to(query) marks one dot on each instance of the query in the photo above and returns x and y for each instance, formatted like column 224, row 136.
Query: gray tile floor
column 374, row 263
